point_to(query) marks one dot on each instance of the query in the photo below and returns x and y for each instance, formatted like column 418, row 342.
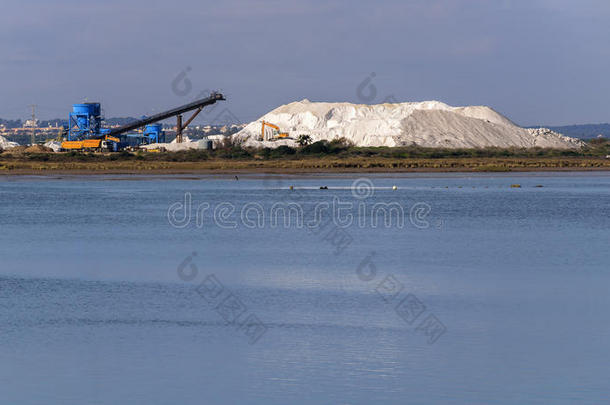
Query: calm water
column 102, row 300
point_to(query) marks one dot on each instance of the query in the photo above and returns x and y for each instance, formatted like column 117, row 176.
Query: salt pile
column 6, row 144
column 428, row 124
column 54, row 145
column 185, row 139
column 174, row 146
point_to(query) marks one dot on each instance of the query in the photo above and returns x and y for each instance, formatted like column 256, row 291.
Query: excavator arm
column 270, row 125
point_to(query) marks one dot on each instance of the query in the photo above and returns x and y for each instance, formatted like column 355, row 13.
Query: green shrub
column 315, row 148
column 304, row 140
column 284, row 150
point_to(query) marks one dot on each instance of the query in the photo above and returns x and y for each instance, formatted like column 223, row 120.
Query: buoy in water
column 291, row 187
column 394, row 188
column 515, row 186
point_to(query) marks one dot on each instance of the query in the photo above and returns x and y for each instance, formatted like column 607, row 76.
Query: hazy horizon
column 539, row 62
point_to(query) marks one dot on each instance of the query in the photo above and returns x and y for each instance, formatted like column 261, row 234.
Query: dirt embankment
column 307, row 165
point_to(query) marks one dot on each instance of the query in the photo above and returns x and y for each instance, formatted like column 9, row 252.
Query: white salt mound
column 6, row 144
column 185, row 139
column 55, row 145
column 174, row 146
column 428, row 124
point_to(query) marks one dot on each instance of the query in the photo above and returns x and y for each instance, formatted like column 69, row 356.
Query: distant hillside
column 60, row 122
column 585, row 131
column 11, row 123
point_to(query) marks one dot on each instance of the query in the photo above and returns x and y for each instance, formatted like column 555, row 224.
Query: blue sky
column 536, row 61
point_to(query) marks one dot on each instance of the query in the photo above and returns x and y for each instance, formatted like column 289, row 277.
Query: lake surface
column 111, row 292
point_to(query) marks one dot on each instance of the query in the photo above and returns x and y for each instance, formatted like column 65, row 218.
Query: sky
column 536, row 61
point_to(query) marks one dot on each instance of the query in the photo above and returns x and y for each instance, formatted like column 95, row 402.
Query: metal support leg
column 179, row 128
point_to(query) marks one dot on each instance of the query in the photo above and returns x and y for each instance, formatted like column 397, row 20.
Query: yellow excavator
column 276, row 134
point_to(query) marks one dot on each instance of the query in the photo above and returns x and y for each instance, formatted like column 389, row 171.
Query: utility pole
column 33, row 139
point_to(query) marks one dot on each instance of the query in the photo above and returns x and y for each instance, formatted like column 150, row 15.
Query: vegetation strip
column 319, row 156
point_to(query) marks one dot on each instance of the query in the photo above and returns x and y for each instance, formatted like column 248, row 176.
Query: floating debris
column 515, row 186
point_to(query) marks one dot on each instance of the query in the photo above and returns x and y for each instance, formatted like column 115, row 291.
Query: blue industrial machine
column 84, row 122
column 154, row 133
column 84, row 126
